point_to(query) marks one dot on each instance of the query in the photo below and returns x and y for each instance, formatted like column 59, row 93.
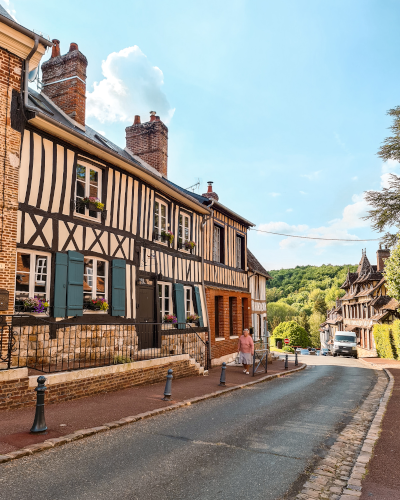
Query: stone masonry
column 10, row 79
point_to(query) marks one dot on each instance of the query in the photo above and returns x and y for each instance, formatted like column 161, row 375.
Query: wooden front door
column 146, row 315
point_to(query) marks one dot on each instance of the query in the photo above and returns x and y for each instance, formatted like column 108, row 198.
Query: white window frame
column 160, row 203
column 191, row 310
column 183, row 218
column 94, row 277
column 99, row 171
column 32, row 272
column 216, row 244
column 165, row 286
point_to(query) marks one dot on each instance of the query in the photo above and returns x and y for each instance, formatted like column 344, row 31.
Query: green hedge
column 384, row 341
column 287, row 348
column 396, row 336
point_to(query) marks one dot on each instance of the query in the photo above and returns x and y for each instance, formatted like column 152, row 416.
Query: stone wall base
column 366, row 353
column 17, row 388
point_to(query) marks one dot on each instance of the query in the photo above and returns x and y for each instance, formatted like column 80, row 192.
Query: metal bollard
column 168, row 386
column 286, row 361
column 39, row 424
column 223, row 374
column 296, row 361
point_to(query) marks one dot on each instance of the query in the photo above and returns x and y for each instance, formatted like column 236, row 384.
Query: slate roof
column 255, row 266
column 4, row 13
column 43, row 104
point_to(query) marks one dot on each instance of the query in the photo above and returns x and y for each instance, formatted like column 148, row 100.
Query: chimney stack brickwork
column 381, row 255
column 64, row 81
column 149, row 141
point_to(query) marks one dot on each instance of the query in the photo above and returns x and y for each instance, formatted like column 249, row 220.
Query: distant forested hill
column 304, row 294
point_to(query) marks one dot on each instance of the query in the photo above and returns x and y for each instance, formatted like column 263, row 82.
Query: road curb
column 355, row 483
column 82, row 433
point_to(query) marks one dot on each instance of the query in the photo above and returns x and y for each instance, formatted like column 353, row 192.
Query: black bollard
column 222, row 379
column 39, row 424
column 296, row 361
column 168, row 386
column 286, row 361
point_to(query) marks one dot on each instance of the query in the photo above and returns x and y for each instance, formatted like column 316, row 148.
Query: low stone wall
column 366, row 353
column 185, row 343
column 38, row 345
column 17, row 388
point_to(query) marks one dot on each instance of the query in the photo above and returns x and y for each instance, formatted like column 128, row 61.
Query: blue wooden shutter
column 180, row 304
column 198, row 304
column 60, row 286
column 118, row 287
column 75, row 284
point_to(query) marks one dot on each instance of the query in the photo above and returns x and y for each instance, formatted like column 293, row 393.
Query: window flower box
column 192, row 320
column 168, row 236
column 190, row 245
column 98, row 304
column 32, row 305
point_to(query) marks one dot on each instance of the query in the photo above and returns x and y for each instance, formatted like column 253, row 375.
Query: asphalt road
column 251, row 444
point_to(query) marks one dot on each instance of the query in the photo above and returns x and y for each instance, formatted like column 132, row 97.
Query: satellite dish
column 33, row 74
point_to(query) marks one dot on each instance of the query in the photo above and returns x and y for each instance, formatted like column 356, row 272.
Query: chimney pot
column 210, row 193
column 137, row 120
column 209, row 190
column 55, row 51
column 73, row 46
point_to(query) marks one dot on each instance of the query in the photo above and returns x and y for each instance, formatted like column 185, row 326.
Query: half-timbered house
column 258, row 277
column 102, row 235
column 365, row 303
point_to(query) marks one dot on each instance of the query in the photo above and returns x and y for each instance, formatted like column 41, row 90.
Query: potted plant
column 192, row 319
column 170, row 320
column 36, row 305
column 167, row 235
column 189, row 245
column 93, row 203
column 100, row 304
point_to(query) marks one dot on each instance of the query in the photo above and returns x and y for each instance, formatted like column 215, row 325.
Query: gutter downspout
column 25, row 74
column 206, row 218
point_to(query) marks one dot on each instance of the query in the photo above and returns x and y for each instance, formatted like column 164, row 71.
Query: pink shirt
column 246, row 344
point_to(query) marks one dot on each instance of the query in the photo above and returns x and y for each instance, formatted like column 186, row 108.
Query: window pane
column 23, row 262
column 40, row 274
column 100, row 285
column 88, row 277
column 163, row 211
column 180, row 231
column 81, row 173
column 22, row 282
column 101, row 268
column 94, row 177
column 80, row 189
column 93, row 191
column 166, row 302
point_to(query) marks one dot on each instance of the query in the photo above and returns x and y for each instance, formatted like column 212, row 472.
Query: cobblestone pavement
column 339, row 474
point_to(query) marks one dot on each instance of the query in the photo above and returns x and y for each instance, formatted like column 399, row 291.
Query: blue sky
column 281, row 104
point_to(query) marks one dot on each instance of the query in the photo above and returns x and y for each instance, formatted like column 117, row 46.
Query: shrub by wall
column 384, row 341
column 396, row 336
column 294, row 332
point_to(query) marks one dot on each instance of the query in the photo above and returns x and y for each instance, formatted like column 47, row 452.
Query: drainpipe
column 206, row 218
column 25, row 74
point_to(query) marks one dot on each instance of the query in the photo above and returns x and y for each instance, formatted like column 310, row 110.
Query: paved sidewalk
column 382, row 482
column 65, row 418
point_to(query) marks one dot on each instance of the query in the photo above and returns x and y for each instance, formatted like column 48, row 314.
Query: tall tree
column 385, row 211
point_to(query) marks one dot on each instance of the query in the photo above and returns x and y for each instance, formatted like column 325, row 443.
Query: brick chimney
column 210, row 193
column 64, row 81
column 149, row 141
column 381, row 255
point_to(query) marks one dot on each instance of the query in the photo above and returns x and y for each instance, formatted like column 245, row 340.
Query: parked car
column 313, row 352
column 304, row 352
column 325, row 352
column 298, row 350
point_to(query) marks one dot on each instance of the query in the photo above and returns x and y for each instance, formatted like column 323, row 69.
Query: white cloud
column 9, row 6
column 131, row 86
column 355, row 178
column 313, row 175
column 274, row 194
column 302, row 192
column 339, row 140
column 289, row 210
column 389, row 167
column 335, row 229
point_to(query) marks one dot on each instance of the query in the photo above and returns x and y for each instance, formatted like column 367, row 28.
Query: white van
column 345, row 343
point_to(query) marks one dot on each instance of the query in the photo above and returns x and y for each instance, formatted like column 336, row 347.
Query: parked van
column 345, row 343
